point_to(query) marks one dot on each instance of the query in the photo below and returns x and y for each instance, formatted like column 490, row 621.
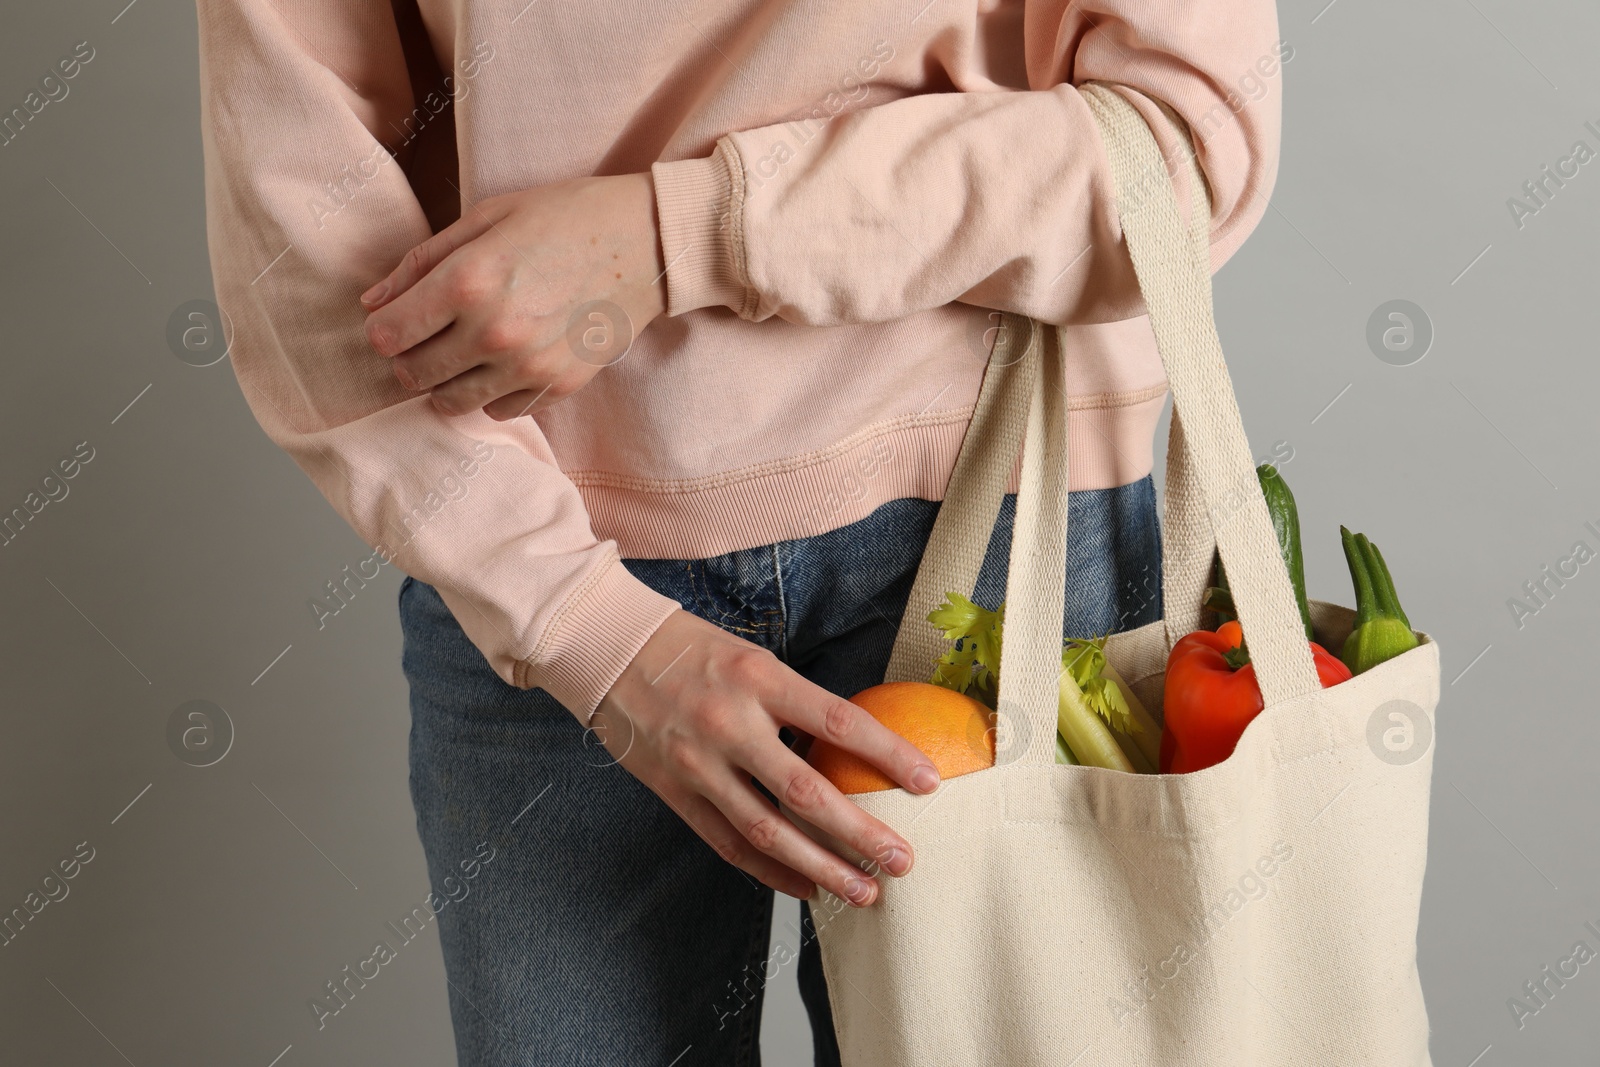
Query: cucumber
column 1286, row 524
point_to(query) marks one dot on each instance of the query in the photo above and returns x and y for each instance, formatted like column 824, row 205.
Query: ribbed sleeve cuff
column 594, row 637
column 700, row 204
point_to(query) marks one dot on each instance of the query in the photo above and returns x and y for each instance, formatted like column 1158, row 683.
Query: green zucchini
column 1286, row 524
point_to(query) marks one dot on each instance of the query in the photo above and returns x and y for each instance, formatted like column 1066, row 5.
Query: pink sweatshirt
column 845, row 189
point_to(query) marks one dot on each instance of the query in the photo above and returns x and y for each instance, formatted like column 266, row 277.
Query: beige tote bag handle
column 1212, row 494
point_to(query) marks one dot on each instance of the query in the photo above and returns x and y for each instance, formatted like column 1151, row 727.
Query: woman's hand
column 697, row 713
column 490, row 311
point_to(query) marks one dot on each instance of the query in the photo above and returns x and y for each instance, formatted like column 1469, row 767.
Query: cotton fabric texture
column 848, row 192
column 1260, row 912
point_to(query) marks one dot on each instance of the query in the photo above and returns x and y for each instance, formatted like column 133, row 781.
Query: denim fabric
column 602, row 931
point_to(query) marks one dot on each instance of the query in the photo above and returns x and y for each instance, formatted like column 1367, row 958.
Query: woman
column 642, row 338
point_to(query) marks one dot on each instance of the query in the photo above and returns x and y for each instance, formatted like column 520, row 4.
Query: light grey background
column 180, row 564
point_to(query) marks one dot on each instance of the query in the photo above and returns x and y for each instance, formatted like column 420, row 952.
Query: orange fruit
column 952, row 729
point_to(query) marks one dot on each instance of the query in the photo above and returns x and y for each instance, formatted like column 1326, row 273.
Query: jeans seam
column 783, row 604
column 760, row 934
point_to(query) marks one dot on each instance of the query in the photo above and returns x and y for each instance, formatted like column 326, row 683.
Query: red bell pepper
column 1211, row 695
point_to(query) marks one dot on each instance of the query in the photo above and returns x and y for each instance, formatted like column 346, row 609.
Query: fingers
column 712, row 723
column 797, row 784
column 811, row 708
column 767, row 830
column 445, row 357
column 447, row 367
column 715, row 830
column 522, row 402
column 467, row 391
column 424, row 309
column 424, row 257
column 491, row 386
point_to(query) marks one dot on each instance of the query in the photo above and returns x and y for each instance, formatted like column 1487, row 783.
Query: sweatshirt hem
column 1110, row 440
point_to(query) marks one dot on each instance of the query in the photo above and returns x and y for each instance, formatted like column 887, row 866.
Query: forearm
column 997, row 198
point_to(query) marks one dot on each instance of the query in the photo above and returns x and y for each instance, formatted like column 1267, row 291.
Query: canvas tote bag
column 1259, row 912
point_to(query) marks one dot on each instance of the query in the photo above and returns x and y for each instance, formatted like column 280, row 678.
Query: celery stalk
column 1085, row 733
column 1130, row 748
column 1092, row 706
column 1147, row 735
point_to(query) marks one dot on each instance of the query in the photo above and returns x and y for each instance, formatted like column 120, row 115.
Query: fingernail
column 896, row 861
column 856, row 890
column 925, row 778
column 376, row 293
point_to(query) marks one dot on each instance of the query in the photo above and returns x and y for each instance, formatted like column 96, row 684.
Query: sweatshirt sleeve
column 304, row 106
column 998, row 198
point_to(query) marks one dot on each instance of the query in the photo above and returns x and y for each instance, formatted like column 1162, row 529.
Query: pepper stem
column 1238, row 656
column 1366, row 601
column 1385, row 585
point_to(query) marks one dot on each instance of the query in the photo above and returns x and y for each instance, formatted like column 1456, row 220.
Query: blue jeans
column 582, row 922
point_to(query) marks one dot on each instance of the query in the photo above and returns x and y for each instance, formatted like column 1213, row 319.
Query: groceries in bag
column 1209, row 696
